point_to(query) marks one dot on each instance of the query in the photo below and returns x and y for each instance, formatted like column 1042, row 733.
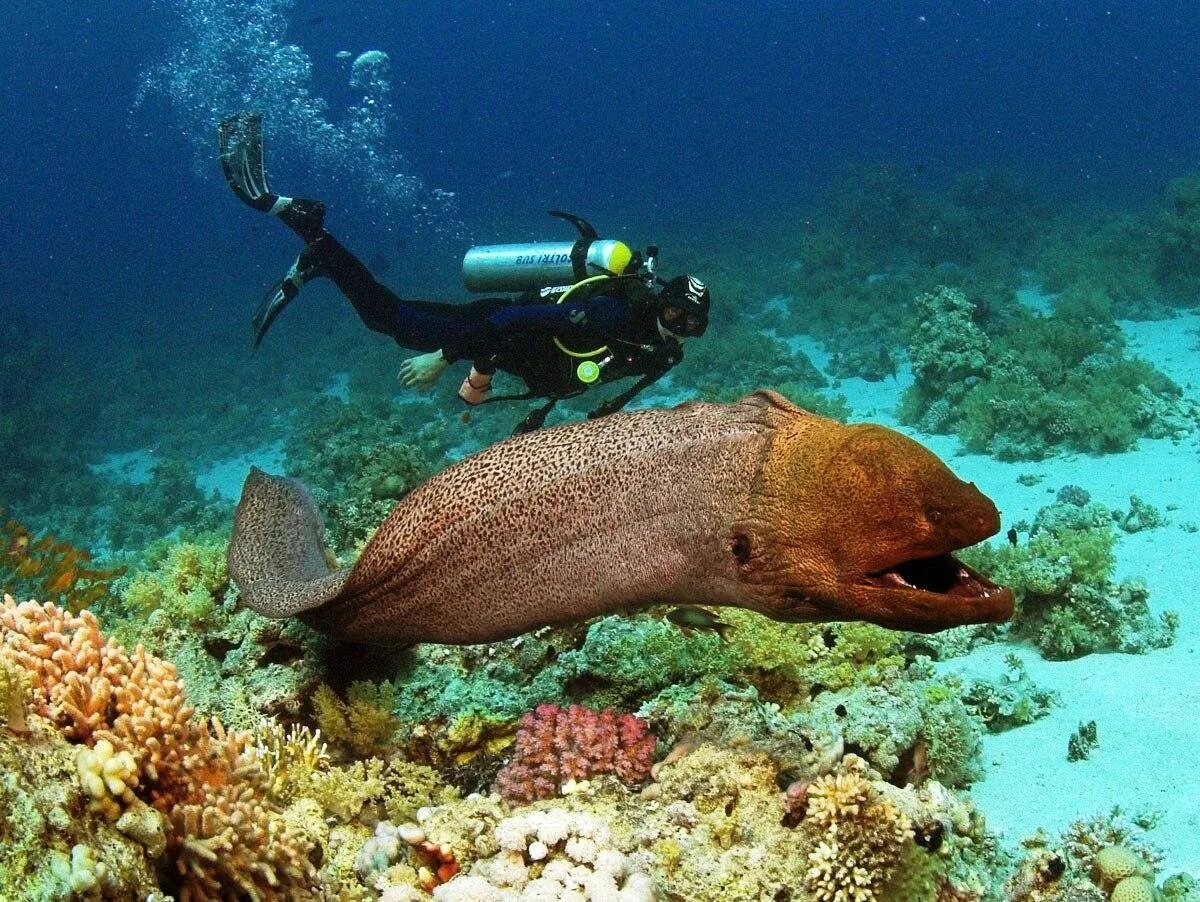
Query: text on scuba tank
column 540, row 259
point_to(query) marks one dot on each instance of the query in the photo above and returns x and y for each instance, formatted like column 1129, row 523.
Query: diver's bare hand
column 422, row 371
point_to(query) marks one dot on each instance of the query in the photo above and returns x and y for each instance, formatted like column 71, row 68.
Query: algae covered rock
column 54, row 843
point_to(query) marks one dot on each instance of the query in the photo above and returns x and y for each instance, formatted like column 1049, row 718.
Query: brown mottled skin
column 757, row 504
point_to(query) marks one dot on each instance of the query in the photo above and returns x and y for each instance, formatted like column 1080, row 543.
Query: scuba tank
column 534, row 265
column 559, row 270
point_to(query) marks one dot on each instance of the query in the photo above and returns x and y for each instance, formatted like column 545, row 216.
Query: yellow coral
column 1114, row 863
column 289, row 758
column 460, row 741
column 364, row 724
column 859, row 838
column 342, row 791
column 106, row 776
column 1133, row 889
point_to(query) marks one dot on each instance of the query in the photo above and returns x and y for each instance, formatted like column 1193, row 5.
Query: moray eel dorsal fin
column 277, row 553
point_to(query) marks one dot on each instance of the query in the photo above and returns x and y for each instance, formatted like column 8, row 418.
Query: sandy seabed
column 1146, row 707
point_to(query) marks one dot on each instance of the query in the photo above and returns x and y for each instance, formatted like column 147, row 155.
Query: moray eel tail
column 277, row 554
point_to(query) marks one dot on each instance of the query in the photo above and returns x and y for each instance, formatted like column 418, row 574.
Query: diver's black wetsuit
column 515, row 335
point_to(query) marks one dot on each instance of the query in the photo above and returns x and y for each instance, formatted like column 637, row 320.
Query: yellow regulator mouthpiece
column 588, row 372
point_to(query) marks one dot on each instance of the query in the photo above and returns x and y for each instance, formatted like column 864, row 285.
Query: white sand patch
column 225, row 477
column 133, row 467
column 338, row 387
column 1035, row 299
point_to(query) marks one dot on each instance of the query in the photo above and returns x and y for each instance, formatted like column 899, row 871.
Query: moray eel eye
column 943, row 575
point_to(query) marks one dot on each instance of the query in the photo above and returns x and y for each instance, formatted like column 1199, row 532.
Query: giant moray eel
column 757, row 504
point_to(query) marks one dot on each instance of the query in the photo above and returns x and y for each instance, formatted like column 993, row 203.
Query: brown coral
column 227, row 837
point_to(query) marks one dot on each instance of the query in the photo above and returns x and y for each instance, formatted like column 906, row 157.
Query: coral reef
column 358, row 461
column 178, row 603
column 558, row 747
column 131, row 716
column 1101, row 858
column 714, row 824
column 1032, row 384
column 1067, row 602
column 52, row 839
column 169, row 503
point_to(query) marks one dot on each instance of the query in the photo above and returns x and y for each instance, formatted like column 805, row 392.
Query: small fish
column 343, row 55
column 690, row 619
column 31, row 566
column 62, row 582
column 90, row 594
column 1012, row 537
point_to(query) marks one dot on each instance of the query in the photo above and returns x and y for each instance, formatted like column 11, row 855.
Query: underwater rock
column 1083, row 742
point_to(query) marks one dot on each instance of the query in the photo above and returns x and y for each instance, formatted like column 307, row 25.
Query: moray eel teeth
column 941, row 575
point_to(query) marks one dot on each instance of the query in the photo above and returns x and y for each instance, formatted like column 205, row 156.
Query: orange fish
column 64, row 581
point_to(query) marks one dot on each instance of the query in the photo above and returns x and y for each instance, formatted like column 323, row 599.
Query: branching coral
column 555, row 746
column 859, row 839
column 225, row 836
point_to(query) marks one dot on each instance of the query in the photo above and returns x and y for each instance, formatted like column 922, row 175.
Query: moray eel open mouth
column 928, row 594
column 942, row 575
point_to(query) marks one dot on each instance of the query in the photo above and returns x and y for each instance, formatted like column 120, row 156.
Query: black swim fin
column 283, row 292
column 240, row 140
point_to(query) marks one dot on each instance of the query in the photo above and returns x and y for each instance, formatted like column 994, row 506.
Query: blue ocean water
column 824, row 166
column 651, row 112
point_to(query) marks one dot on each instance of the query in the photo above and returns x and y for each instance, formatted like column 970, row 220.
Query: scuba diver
column 589, row 311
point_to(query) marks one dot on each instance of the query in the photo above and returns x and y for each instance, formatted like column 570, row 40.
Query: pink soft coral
column 555, row 745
